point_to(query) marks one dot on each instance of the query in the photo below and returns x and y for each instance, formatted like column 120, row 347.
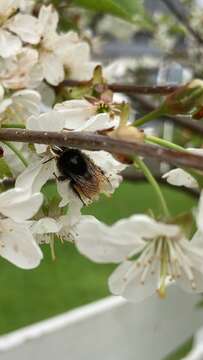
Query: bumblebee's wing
column 91, row 184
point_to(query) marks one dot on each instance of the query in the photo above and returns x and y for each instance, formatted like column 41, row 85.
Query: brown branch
column 127, row 88
column 91, row 141
column 181, row 16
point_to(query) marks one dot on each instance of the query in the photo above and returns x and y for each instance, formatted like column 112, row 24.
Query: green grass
column 72, row 280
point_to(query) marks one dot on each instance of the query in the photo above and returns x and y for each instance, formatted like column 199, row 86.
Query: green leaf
column 181, row 352
column 4, row 169
column 126, row 9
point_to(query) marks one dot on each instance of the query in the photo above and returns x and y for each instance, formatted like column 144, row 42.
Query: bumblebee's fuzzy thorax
column 86, row 178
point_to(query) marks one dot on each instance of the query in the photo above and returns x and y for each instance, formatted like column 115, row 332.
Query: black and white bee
column 87, row 179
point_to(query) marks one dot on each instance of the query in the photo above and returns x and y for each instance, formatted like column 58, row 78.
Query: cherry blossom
column 17, row 243
column 151, row 254
column 180, row 177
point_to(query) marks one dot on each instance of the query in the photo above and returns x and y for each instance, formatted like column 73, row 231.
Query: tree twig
column 180, row 15
column 91, row 141
column 127, row 88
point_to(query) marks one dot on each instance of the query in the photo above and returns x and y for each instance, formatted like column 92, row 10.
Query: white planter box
column 110, row 329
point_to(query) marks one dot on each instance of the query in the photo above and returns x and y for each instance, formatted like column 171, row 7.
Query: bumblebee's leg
column 60, row 177
column 55, row 150
column 78, row 194
column 46, row 161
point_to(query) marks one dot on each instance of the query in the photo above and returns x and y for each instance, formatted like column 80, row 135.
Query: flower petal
column 126, row 281
column 69, row 197
column 26, row 27
column 16, row 204
column 147, row 228
column 48, row 20
column 35, row 176
column 102, row 243
column 10, row 44
column 76, row 113
column 197, row 239
column 100, row 122
column 180, row 177
column 188, row 285
column 45, row 225
column 19, row 247
column 52, row 68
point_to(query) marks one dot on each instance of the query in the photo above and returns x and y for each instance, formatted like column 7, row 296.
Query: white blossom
column 152, row 255
column 17, row 244
column 180, row 177
column 19, row 106
column 47, row 229
column 26, row 27
column 22, row 70
column 10, row 44
column 60, row 53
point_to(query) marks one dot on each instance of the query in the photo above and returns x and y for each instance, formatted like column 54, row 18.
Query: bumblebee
column 86, row 178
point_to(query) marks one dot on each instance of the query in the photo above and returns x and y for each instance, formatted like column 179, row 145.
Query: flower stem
column 149, row 117
column 14, row 126
column 168, row 144
column 16, row 152
column 154, row 183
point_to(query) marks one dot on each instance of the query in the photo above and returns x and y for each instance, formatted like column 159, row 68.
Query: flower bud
column 186, row 99
column 128, row 133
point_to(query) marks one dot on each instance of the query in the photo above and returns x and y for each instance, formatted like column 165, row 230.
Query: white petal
column 197, row 239
column 99, row 122
column 26, row 27
column 81, row 105
column 4, row 105
column 102, row 243
column 126, row 281
column 9, row 44
column 45, row 225
column 147, row 228
column 52, row 68
column 105, row 161
column 50, row 121
column 2, row 92
column 76, row 113
column 48, row 20
column 19, row 247
column 47, row 95
column 25, row 103
column 186, row 284
column 180, row 177
column 16, row 204
column 26, row 6
column 6, row 7
column 85, row 71
column 68, row 196
column 35, row 176
column 64, row 44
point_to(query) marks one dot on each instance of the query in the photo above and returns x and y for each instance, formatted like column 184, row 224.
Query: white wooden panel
column 110, row 329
